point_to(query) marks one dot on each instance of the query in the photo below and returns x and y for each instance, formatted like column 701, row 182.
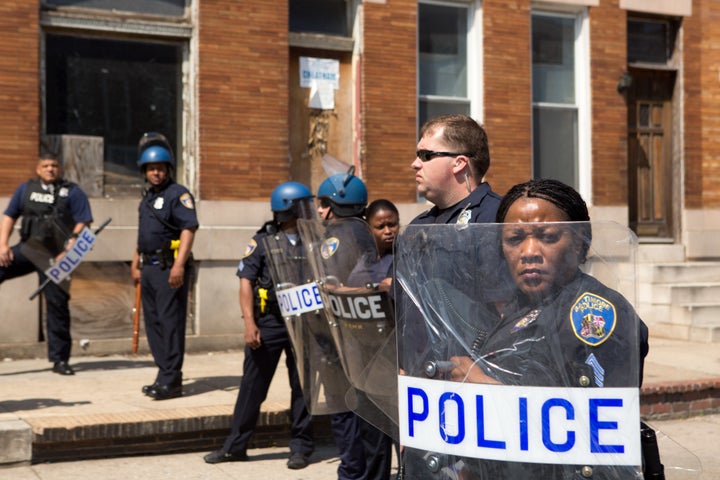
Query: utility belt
column 163, row 257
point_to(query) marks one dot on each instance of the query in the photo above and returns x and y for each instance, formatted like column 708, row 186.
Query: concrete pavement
column 101, row 412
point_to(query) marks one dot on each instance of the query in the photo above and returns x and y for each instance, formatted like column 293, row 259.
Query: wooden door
column 650, row 179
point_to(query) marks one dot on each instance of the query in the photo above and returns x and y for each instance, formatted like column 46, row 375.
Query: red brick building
column 618, row 97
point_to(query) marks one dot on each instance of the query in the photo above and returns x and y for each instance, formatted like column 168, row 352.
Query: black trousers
column 59, row 341
column 365, row 451
column 165, row 313
column 258, row 370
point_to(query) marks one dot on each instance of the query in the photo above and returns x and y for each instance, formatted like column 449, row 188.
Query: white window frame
column 583, row 101
column 474, row 61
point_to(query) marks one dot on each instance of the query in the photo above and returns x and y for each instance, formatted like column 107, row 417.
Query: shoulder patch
column 329, row 247
column 250, row 248
column 187, row 201
column 593, row 319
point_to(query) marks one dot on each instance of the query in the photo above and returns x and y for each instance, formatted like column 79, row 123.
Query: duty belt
column 150, row 258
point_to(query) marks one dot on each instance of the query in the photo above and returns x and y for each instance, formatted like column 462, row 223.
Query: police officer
column 162, row 263
column 451, row 160
column 266, row 337
column 365, row 451
column 53, row 209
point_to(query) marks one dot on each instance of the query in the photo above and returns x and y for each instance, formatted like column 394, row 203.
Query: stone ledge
column 15, row 442
column 664, row 401
column 141, row 433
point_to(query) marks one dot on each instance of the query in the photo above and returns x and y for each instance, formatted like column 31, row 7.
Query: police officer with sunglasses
column 451, row 160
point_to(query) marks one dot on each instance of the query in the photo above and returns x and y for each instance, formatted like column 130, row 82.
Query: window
column 559, row 93
column 446, row 61
column 649, row 41
column 319, row 16
column 114, row 89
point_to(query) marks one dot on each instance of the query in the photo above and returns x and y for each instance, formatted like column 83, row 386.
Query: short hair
column 563, row 196
column 466, row 136
column 48, row 155
column 380, row 204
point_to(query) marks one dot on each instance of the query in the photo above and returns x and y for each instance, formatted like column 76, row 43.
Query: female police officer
column 166, row 230
column 561, row 327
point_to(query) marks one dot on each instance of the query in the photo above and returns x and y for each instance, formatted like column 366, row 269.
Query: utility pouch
column 653, row 469
column 166, row 256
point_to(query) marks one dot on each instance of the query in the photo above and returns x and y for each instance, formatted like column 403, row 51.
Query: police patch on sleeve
column 250, row 248
column 593, row 319
column 329, row 247
column 187, row 201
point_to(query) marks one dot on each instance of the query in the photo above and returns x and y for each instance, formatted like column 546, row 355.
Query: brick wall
column 242, row 98
column 609, row 111
column 709, row 15
column 507, row 102
column 692, row 57
column 19, row 92
column 389, row 99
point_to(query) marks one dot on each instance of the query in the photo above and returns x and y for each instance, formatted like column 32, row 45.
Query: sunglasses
column 427, row 155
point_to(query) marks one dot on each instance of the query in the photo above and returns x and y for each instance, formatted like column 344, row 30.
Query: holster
column 653, row 469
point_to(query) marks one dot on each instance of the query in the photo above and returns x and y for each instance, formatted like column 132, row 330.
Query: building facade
column 616, row 97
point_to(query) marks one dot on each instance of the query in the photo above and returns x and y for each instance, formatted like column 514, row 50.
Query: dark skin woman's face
column 541, row 256
column 384, row 225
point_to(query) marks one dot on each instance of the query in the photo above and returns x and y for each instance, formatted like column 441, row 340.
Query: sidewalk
column 101, row 412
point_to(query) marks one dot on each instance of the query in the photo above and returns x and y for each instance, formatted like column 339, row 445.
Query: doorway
column 650, row 179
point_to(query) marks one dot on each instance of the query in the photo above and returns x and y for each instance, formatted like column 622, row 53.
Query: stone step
column 687, row 294
column 678, row 273
column 696, row 333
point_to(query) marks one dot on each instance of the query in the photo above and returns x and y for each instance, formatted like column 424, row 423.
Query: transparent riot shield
column 45, row 249
column 321, row 374
column 343, row 253
column 518, row 351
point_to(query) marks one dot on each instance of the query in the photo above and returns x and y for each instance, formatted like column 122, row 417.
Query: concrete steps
column 681, row 300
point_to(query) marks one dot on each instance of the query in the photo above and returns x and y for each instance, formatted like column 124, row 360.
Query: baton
column 47, row 280
column 136, row 318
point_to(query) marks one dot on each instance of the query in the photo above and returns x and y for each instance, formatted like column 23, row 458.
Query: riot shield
column 45, row 248
column 342, row 253
column 518, row 351
column 321, row 374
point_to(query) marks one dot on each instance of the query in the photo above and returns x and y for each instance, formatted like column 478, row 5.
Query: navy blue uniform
column 41, row 207
column 260, row 363
column 479, row 207
column 553, row 343
column 164, row 213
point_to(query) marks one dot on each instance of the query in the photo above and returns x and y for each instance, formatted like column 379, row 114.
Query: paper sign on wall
column 322, row 76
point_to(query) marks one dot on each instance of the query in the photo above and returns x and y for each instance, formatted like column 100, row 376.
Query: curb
column 143, row 433
column 670, row 400
column 64, row 438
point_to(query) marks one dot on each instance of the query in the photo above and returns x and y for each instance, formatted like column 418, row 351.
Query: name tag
column 572, row 426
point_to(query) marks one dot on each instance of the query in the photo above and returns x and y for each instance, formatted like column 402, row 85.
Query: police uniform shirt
column 586, row 333
column 371, row 270
column 254, row 267
column 348, row 240
column 479, row 207
column 174, row 205
column 77, row 201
